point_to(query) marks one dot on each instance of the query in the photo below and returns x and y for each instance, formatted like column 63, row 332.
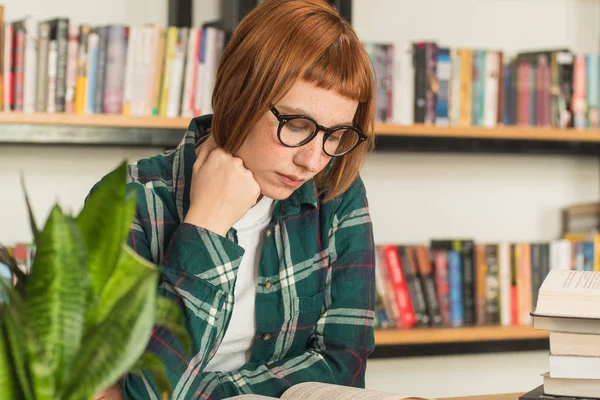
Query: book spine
column 403, row 300
column 579, row 100
column 92, row 68
column 444, row 76
column 82, row 67
column 455, row 286
column 431, row 94
column 101, row 60
column 44, row 31
column 62, row 44
column 480, row 278
column 409, row 265
column 427, row 279
column 8, row 68
column 420, row 84
column 440, row 258
column 71, row 77
column 115, row 69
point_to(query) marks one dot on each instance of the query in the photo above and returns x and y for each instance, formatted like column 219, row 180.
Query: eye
column 300, row 125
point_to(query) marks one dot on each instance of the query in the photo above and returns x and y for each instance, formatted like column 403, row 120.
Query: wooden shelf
column 456, row 335
column 119, row 130
column 121, row 121
column 501, row 132
column 94, row 120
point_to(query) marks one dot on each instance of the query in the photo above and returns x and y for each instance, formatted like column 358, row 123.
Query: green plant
column 83, row 316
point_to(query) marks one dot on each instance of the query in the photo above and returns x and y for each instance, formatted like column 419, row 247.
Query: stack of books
column 569, row 307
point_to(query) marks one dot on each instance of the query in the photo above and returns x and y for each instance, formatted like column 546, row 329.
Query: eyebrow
column 299, row 110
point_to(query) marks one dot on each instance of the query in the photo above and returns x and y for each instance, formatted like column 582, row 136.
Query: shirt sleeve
column 343, row 337
column 198, row 273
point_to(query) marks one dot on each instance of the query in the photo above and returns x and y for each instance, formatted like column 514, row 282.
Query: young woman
column 259, row 219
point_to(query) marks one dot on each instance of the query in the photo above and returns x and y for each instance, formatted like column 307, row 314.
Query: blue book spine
column 455, row 286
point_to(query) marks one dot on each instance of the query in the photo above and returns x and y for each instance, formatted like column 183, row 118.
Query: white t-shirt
column 235, row 348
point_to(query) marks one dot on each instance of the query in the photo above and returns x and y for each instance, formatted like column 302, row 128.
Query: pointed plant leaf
column 152, row 363
column 170, row 317
column 104, row 223
column 34, row 229
column 130, row 271
column 114, row 345
column 12, row 317
column 56, row 295
column 37, row 376
column 8, row 380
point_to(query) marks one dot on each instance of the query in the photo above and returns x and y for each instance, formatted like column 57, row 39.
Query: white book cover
column 403, row 84
column 128, row 85
column 139, row 71
column 490, row 92
column 151, row 42
column 454, row 106
column 30, row 73
column 560, row 254
column 52, row 71
column 214, row 46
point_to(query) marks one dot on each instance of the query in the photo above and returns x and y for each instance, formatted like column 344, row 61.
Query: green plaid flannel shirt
column 315, row 295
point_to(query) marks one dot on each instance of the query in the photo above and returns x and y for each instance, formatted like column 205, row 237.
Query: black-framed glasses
column 298, row 130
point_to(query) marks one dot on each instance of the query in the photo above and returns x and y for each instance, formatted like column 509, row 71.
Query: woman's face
column 279, row 170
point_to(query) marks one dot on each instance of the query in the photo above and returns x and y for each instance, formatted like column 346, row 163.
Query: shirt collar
column 183, row 162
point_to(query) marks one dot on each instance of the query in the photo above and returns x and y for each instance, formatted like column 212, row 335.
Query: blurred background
column 440, row 172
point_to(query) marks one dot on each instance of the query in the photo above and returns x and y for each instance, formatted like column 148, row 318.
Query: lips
column 291, row 180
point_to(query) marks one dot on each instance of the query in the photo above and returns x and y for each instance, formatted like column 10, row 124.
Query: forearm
column 342, row 363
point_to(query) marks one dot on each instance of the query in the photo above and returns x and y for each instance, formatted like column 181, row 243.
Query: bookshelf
column 119, row 130
column 393, row 337
column 393, row 343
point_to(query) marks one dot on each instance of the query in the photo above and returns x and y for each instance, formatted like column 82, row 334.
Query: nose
column 311, row 155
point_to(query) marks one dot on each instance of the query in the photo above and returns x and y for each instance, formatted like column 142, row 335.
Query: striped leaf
column 16, row 335
column 114, row 345
column 32, row 224
column 8, row 378
column 56, row 294
column 130, row 271
column 104, row 223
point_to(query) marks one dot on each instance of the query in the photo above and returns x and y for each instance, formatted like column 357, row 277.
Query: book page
column 326, row 391
column 571, row 281
column 250, row 397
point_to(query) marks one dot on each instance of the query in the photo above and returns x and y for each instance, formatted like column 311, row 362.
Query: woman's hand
column 222, row 189
column 112, row 392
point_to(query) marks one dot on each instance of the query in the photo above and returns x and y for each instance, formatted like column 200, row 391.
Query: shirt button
column 266, row 336
column 268, row 285
column 269, row 233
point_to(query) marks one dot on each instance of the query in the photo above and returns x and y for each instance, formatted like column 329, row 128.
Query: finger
column 205, row 149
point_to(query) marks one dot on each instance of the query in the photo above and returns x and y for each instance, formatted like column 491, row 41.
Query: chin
column 276, row 192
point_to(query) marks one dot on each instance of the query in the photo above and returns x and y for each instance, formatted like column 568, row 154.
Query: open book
column 327, row 391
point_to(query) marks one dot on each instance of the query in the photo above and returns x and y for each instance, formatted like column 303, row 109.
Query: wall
column 413, row 196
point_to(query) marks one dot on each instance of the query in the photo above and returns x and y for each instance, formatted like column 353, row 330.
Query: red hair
column 277, row 43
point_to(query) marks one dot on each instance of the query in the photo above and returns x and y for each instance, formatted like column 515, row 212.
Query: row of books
column 59, row 66
column 460, row 282
column 425, row 82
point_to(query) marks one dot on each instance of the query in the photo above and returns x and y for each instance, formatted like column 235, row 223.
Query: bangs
column 344, row 67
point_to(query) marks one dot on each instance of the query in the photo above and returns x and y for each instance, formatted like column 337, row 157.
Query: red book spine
column 407, row 312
